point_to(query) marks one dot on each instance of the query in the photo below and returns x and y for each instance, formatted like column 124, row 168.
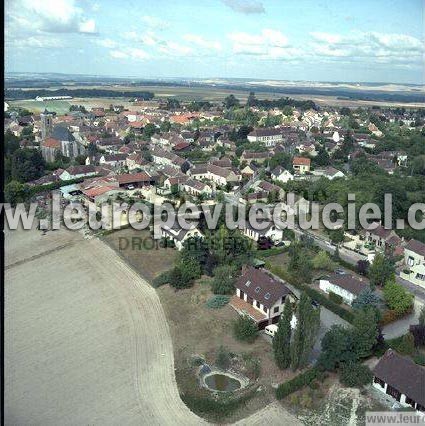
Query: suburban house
column 268, row 136
column 114, row 160
column 75, row 172
column 281, row 174
column 200, row 171
column 414, row 260
column 383, row 239
column 222, row 176
column 270, row 231
column 135, row 180
column 258, row 157
column 301, row 165
column 249, row 170
column 195, row 187
column 329, row 173
column 402, row 379
column 346, row 286
column 179, row 235
column 260, row 296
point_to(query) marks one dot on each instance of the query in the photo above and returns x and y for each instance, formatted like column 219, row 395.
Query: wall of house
column 326, row 286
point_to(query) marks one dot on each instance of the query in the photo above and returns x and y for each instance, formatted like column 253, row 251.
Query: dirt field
column 86, row 339
column 141, row 252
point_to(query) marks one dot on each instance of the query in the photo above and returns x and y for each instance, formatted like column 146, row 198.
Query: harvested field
column 86, row 339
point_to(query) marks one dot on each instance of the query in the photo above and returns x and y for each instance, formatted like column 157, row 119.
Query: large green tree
column 282, row 338
column 381, row 270
column 365, row 332
column 305, row 334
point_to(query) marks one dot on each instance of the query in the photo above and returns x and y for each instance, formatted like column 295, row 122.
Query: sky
column 323, row 40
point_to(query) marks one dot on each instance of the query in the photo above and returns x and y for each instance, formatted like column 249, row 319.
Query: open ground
column 87, row 341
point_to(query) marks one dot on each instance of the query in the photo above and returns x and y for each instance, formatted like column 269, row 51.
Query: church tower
column 46, row 124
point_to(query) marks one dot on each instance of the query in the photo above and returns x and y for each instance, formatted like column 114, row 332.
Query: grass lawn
column 199, row 331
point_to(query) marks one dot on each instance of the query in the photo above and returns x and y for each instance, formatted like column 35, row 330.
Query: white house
column 260, row 296
column 414, row 260
column 281, row 174
column 346, row 286
column 268, row 136
column 329, row 173
column 179, row 235
column 270, row 231
column 402, row 380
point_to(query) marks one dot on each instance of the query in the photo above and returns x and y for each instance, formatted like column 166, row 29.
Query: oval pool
column 222, row 383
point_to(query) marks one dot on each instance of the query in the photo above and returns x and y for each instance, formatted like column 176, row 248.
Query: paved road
column 87, row 340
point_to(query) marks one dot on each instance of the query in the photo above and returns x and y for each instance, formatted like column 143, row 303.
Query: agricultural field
column 59, row 106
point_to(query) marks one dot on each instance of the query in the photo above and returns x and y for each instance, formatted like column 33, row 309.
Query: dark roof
column 416, row 246
column 348, row 282
column 134, row 178
column 78, row 170
column 380, row 231
column 265, row 132
column 261, row 286
column 62, row 134
column 403, row 374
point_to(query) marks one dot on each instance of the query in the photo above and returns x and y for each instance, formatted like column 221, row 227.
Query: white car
column 271, row 329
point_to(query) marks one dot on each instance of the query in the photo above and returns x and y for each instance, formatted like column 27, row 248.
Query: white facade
column 327, row 286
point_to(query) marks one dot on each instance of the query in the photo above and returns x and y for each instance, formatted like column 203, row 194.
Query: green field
column 60, row 107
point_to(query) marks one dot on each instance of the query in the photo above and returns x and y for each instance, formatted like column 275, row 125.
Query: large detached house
column 268, row 136
column 401, row 379
column 179, row 235
column 346, row 286
column 301, row 165
column 414, row 260
column 260, row 296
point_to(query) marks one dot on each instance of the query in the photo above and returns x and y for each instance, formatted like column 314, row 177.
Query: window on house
column 257, row 289
column 267, row 296
column 276, row 309
column 257, row 304
column 283, row 300
column 248, row 283
column 420, row 277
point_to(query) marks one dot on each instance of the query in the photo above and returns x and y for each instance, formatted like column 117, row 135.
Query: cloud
column 202, row 42
column 267, row 44
column 154, row 22
column 107, row 42
column 172, row 48
column 129, row 53
column 245, row 6
column 148, row 38
column 35, row 42
column 368, row 46
column 51, row 16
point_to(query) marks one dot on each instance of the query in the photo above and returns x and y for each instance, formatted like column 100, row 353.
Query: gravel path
column 87, row 341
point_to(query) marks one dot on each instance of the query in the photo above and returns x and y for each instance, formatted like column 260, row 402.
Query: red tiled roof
column 133, row 177
column 243, row 307
column 51, row 143
column 301, row 161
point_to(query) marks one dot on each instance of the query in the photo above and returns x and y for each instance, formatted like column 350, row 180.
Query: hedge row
column 335, row 298
column 319, row 297
column 298, row 382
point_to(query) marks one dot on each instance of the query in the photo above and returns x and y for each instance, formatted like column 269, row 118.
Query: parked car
column 339, row 271
column 271, row 330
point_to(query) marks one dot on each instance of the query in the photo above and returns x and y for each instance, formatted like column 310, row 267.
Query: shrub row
column 218, row 409
column 319, row 297
column 161, row 279
column 336, row 298
column 298, row 382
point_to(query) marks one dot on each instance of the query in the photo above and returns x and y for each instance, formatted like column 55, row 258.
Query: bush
column 217, row 301
column 419, row 358
column 322, row 260
column 397, row 298
column 336, row 298
column 355, row 375
column 161, row 279
column 223, row 358
column 404, row 345
column 245, row 329
column 296, row 383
